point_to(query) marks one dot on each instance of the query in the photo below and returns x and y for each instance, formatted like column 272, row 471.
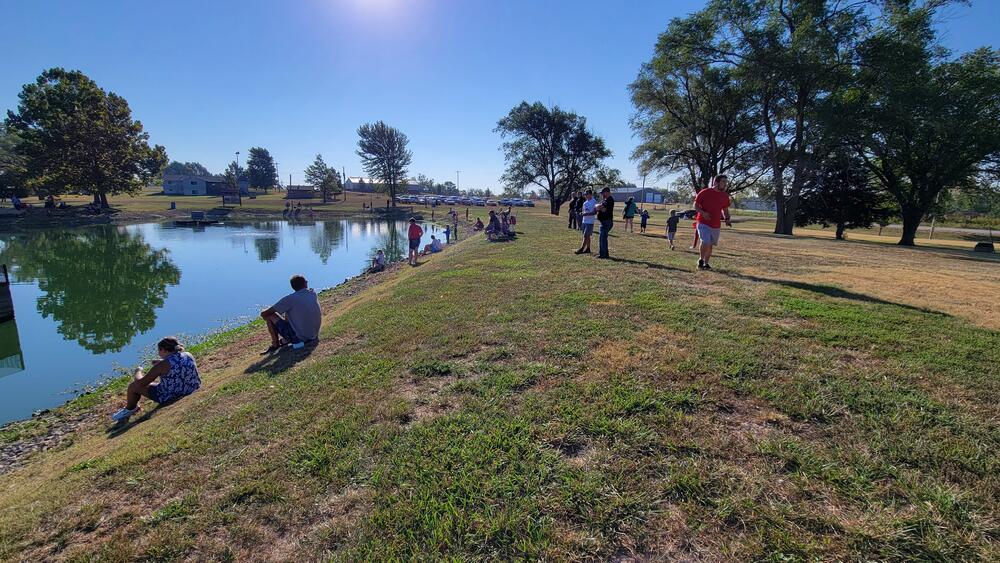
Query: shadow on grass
column 953, row 253
column 120, row 428
column 831, row 291
column 652, row 265
column 283, row 360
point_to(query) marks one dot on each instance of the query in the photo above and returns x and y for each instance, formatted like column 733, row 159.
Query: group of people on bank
column 711, row 206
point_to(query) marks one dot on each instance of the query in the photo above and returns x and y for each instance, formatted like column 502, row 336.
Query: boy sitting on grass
column 295, row 318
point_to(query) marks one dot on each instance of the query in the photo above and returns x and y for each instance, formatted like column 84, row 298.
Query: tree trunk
column 840, row 231
column 911, row 220
column 104, row 200
column 97, row 199
column 555, row 204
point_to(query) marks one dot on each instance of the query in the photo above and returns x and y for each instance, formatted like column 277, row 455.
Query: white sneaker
column 124, row 414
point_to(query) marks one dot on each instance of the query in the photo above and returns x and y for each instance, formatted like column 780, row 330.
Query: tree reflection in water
column 391, row 241
column 103, row 285
column 325, row 238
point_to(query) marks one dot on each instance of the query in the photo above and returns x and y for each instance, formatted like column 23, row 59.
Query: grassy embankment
column 503, row 400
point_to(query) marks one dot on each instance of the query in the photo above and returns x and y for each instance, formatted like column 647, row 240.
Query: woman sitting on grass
column 178, row 375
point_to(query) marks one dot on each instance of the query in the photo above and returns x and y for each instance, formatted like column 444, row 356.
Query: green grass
column 514, row 401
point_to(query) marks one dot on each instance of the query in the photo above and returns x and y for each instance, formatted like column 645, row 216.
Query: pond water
column 89, row 299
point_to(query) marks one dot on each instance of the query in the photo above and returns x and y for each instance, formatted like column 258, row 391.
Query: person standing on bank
column 606, row 217
column 587, row 217
column 629, row 214
column 712, row 205
column 413, row 233
column 573, row 217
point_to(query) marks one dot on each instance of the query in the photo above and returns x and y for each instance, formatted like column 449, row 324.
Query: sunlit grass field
column 808, row 399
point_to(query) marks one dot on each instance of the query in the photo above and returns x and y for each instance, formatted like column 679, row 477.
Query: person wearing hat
column 606, row 217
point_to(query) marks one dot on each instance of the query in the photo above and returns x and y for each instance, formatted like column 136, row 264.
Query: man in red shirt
column 414, row 233
column 712, row 205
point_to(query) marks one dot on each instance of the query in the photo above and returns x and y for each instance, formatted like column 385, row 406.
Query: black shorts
column 286, row 331
column 414, row 244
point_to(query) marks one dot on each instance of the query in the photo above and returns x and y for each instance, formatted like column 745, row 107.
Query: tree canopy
column 922, row 123
column 75, row 137
column 843, row 194
column 550, row 148
column 324, row 177
column 384, row 155
column 261, row 170
column 692, row 116
column 186, row 169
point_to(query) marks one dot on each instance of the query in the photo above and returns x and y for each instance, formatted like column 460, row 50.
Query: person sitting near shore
column 177, row 373
column 434, row 247
column 493, row 229
column 295, row 318
column 50, row 202
column 16, row 202
column 378, row 262
column 479, row 225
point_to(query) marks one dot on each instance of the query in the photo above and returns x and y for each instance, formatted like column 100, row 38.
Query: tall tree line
column 776, row 92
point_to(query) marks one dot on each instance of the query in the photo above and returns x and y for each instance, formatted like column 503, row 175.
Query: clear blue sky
column 208, row 78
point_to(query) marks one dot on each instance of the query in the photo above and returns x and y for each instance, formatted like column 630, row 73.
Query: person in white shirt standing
column 587, row 217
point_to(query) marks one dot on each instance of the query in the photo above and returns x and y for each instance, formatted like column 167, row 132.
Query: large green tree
column 790, row 56
column 384, row 155
column 261, row 170
column 76, row 137
column 550, row 148
column 693, row 116
column 922, row 122
column 12, row 177
column 844, row 195
column 324, row 177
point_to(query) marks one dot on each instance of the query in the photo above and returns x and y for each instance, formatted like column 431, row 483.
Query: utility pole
column 458, row 182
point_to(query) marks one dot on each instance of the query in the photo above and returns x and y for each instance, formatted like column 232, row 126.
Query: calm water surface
column 87, row 300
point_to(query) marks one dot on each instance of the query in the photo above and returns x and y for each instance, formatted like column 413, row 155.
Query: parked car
column 491, row 203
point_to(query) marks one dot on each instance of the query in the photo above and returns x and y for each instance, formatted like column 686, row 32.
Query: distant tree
column 842, row 194
column 604, row 177
column 261, row 170
column 513, row 191
column 74, row 136
column 692, row 116
column 186, row 169
column 923, row 124
column 233, row 175
column 323, row 177
column 427, row 183
column 12, row 178
column 384, row 155
column 550, row 148
column 447, row 188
